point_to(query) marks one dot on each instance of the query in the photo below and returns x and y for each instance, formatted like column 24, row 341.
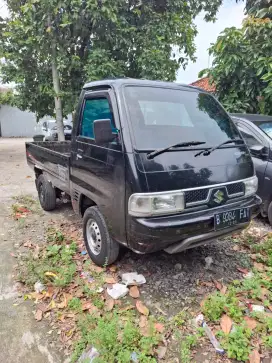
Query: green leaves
column 94, row 39
column 242, row 67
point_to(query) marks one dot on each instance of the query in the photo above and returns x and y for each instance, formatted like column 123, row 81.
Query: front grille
column 236, row 188
column 195, row 196
column 200, row 196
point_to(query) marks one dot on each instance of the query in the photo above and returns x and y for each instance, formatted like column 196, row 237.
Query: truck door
column 98, row 171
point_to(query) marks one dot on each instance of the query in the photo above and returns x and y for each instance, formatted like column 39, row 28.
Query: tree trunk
column 56, row 84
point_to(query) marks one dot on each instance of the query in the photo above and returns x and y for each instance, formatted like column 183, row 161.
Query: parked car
column 151, row 166
column 257, row 133
column 50, row 132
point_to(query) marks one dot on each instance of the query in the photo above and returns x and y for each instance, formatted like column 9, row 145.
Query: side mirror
column 103, row 131
column 259, row 150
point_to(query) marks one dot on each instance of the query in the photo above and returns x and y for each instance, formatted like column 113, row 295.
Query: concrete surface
column 22, row 339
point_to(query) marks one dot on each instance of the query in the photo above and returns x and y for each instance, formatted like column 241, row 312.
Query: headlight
column 251, row 186
column 144, row 205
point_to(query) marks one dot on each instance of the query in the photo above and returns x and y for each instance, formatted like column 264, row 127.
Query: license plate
column 231, row 218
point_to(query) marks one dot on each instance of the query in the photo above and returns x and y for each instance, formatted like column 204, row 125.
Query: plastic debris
column 39, row 287
column 99, row 290
column 89, row 355
column 132, row 278
column 208, row 262
column 84, row 253
column 258, row 308
column 117, row 291
column 201, row 322
column 134, row 357
column 87, row 276
column 249, row 275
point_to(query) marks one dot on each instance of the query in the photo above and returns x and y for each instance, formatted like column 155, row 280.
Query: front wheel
column 269, row 213
column 102, row 249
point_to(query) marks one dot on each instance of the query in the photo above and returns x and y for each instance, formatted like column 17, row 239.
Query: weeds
column 237, row 343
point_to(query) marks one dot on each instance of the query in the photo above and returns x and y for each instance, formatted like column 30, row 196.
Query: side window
column 95, row 109
column 248, row 136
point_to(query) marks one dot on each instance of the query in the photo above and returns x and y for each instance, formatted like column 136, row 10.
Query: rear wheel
column 47, row 194
column 102, row 249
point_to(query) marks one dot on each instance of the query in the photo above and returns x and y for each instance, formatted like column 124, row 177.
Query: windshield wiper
column 207, row 152
column 181, row 144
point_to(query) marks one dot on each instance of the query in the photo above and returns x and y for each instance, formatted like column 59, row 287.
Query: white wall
column 17, row 123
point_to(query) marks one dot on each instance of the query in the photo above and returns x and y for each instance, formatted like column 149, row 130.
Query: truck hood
column 176, row 170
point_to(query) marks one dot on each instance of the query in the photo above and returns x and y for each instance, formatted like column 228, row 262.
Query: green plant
column 187, row 343
column 75, row 304
column 237, row 343
column 180, row 318
column 214, row 306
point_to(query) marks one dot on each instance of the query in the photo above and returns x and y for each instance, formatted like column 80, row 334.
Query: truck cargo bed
column 52, row 157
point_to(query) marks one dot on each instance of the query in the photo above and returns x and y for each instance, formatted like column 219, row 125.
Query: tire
column 102, row 249
column 269, row 213
column 47, row 194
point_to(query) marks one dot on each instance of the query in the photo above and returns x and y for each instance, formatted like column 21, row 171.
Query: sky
column 230, row 14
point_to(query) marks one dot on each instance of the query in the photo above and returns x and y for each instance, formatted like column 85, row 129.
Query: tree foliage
column 94, row 39
column 242, row 66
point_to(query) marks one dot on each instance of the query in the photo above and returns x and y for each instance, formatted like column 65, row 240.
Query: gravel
column 175, row 281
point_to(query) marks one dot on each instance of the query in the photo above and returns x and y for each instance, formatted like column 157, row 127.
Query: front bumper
column 180, row 232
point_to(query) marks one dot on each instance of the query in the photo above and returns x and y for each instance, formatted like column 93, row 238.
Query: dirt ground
column 173, row 281
column 22, row 339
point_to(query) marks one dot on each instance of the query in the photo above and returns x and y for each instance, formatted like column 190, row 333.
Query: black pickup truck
column 151, row 166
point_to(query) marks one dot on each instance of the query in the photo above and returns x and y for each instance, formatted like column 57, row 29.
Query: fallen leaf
column 159, row 327
column 110, row 280
column 38, row 315
column 134, row 292
column 218, row 285
column 142, row 308
column 270, row 307
column 97, row 269
column 161, row 351
column 28, row 177
column 113, row 268
column 243, row 270
column 143, row 321
column 64, row 303
column 226, row 324
column 236, row 248
column 49, row 292
column 259, row 266
column 254, row 357
column 265, row 293
column 109, row 305
column 50, row 274
column 117, row 302
column 250, row 322
column 126, row 308
column 42, row 307
column 224, row 290
column 207, row 283
column 87, row 305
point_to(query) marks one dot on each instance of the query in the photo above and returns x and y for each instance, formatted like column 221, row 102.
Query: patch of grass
column 55, row 265
column 237, row 343
column 75, row 304
column 115, row 340
column 214, row 306
column 180, row 319
column 187, row 343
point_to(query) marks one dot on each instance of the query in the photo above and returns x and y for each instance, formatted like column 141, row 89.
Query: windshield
column 266, row 126
column 161, row 117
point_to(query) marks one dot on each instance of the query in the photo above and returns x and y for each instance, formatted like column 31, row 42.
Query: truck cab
column 153, row 166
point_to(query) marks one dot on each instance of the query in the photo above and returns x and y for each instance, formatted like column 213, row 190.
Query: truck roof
column 117, row 82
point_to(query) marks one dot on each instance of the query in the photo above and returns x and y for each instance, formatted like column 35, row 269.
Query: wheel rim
column 93, row 236
column 42, row 195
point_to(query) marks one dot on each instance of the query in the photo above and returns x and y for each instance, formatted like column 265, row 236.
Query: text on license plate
column 231, row 218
